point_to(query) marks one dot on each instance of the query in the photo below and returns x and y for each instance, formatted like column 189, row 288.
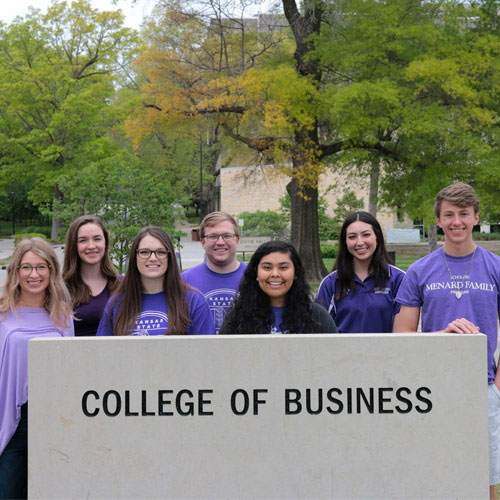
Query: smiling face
column 33, row 283
column 275, row 274
column 91, row 244
column 221, row 254
column 151, row 268
column 361, row 241
column 457, row 224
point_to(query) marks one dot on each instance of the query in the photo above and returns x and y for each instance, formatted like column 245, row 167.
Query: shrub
column 45, row 230
column 262, row 223
column 20, row 236
column 329, row 251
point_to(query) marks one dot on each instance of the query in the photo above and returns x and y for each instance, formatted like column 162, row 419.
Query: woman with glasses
column 274, row 296
column 34, row 303
column 153, row 299
column 88, row 272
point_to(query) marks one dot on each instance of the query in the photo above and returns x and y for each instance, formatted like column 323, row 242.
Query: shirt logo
column 151, row 323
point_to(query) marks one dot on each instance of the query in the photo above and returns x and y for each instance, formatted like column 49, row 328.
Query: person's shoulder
column 194, row 295
column 318, row 310
column 321, row 317
column 329, row 279
column 395, row 272
column 488, row 254
column 194, row 270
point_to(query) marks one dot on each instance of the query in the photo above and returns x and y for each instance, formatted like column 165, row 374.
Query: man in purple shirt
column 457, row 288
column 218, row 278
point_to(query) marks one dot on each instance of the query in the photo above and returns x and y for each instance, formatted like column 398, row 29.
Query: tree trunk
column 304, row 229
column 374, row 180
column 211, row 159
column 433, row 243
column 56, row 223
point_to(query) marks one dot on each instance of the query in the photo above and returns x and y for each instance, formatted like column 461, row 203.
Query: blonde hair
column 214, row 218
column 57, row 299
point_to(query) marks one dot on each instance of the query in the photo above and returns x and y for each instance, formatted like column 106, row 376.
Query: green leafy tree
column 125, row 193
column 55, row 86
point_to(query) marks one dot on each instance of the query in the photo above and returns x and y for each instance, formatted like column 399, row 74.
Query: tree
column 413, row 84
column 184, row 50
column 55, row 85
column 125, row 193
column 397, row 85
column 244, row 81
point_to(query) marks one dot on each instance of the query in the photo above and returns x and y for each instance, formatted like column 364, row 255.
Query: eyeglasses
column 41, row 268
column 144, row 253
column 215, row 237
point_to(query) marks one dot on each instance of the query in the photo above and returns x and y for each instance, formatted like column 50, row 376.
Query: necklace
column 459, row 293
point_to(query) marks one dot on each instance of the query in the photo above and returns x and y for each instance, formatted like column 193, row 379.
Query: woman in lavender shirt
column 34, row 303
column 88, row 272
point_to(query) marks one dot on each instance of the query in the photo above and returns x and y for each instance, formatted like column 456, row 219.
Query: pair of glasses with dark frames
column 27, row 269
column 215, row 237
column 145, row 253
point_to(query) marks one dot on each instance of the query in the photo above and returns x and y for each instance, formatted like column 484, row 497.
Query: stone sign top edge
column 278, row 338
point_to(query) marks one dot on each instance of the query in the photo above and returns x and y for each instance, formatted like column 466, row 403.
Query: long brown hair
column 131, row 290
column 79, row 290
column 57, row 299
column 344, row 264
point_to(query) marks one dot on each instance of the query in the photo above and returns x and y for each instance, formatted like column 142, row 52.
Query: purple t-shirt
column 153, row 318
column 15, row 331
column 368, row 309
column 87, row 316
column 278, row 318
column 428, row 285
column 219, row 289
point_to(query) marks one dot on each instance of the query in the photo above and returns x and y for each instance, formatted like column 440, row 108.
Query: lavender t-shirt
column 153, row 318
column 15, row 332
column 219, row 289
column 428, row 285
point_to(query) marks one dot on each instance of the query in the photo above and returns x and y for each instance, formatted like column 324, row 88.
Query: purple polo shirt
column 367, row 309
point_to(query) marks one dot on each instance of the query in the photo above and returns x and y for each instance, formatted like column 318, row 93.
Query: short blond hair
column 460, row 194
column 214, row 218
column 57, row 299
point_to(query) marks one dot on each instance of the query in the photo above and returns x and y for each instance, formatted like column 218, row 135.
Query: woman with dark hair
column 153, row 299
column 360, row 292
column 34, row 304
column 88, row 272
column 274, row 296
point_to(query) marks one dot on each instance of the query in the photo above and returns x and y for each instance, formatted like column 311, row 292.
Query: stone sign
column 251, row 243
column 290, row 416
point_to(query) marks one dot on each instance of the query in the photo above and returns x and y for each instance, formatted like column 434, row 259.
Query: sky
column 134, row 14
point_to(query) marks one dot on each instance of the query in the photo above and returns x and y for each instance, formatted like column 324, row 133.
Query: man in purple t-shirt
column 457, row 288
column 218, row 278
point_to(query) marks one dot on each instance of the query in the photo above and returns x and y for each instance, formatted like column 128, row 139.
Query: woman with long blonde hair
column 35, row 303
